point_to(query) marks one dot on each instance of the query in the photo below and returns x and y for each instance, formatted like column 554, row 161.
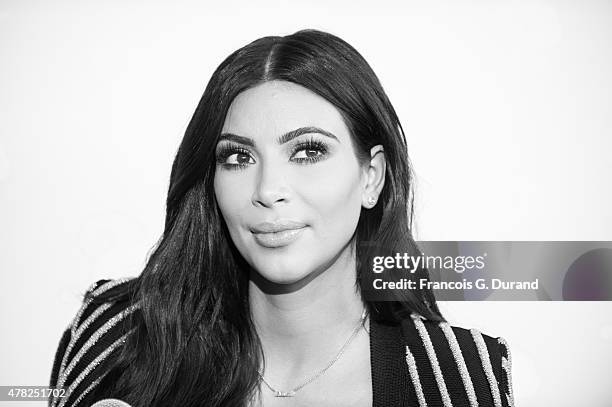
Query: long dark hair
column 194, row 340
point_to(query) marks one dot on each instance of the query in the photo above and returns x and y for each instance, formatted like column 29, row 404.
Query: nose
column 271, row 187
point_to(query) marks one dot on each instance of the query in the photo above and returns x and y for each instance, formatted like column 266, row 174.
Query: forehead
column 274, row 107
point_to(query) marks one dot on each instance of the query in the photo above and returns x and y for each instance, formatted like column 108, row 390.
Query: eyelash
column 310, row 144
column 227, row 150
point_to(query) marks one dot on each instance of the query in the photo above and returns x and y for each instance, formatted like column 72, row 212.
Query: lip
column 277, row 226
column 278, row 233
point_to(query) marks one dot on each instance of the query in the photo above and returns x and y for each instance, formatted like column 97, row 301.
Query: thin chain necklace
column 291, row 393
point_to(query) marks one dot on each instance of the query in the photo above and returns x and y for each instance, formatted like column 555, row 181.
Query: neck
column 301, row 330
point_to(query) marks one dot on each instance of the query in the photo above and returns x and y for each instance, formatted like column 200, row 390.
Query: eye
column 234, row 157
column 239, row 159
column 309, row 151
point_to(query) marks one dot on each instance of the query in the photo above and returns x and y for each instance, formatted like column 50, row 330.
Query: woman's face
column 287, row 181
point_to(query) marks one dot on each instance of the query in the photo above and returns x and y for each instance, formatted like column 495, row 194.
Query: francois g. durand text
column 479, row 284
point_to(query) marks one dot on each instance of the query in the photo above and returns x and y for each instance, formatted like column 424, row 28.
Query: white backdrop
column 506, row 106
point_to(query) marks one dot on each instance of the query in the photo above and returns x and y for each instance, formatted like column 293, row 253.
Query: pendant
column 284, row 393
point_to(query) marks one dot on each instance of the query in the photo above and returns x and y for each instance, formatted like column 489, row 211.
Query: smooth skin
column 302, row 295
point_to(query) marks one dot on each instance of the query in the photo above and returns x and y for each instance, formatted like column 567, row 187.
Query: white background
column 506, row 107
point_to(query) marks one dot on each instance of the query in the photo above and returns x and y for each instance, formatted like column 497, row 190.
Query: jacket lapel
column 391, row 385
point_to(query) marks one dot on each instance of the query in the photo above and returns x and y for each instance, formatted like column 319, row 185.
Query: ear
column 374, row 177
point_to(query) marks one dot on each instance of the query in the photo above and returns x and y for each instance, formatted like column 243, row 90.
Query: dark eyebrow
column 238, row 139
column 285, row 138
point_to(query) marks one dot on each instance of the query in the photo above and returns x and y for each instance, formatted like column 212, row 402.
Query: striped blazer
column 415, row 363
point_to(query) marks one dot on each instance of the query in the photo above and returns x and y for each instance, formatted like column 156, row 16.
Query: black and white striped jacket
column 418, row 363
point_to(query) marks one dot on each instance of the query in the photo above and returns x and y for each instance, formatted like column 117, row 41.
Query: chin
column 284, row 272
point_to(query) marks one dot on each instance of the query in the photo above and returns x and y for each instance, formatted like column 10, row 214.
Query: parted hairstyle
column 194, row 341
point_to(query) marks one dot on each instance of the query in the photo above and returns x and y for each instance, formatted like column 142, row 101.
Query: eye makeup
column 303, row 152
column 226, row 150
column 308, row 146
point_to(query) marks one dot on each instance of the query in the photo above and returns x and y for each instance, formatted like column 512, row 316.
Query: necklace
column 291, row 393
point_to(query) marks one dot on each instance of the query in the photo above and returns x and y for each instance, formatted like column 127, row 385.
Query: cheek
column 231, row 196
column 335, row 198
